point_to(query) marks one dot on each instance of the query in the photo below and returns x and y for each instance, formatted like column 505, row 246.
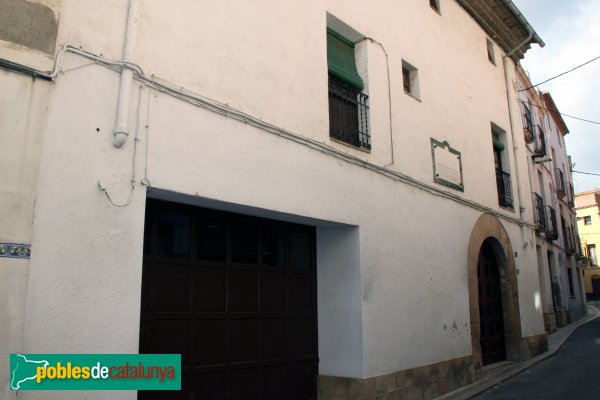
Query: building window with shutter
column 348, row 105
column 503, row 179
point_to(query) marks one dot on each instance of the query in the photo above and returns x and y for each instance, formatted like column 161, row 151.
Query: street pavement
column 573, row 373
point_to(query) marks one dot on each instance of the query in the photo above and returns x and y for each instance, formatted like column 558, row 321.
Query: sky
column 571, row 31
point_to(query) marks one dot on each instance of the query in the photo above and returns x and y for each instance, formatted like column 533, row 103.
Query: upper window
column 406, row 79
column 587, row 220
column 435, row 4
column 571, row 284
column 348, row 105
column 490, row 51
column 503, row 179
column 591, row 253
column 410, row 79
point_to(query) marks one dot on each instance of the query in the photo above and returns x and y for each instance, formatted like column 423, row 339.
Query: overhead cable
column 559, row 113
column 564, row 73
column 586, row 173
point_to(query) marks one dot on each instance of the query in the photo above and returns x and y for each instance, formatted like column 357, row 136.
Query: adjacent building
column 588, row 220
column 323, row 199
column 551, row 182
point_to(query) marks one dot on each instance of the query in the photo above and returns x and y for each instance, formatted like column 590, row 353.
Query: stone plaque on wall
column 447, row 165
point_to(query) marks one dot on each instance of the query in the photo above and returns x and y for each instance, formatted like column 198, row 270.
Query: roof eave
column 505, row 23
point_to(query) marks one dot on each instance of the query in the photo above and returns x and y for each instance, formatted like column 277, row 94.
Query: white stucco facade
column 392, row 245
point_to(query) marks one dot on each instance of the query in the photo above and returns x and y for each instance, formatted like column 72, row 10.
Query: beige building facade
column 304, row 199
column 587, row 205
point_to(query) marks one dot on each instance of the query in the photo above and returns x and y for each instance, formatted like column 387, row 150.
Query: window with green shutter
column 348, row 109
column 340, row 60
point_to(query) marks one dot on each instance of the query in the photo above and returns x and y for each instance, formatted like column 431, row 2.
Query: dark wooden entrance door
column 596, row 287
column 236, row 297
column 491, row 319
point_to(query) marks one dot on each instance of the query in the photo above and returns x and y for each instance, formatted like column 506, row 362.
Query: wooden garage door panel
column 208, row 342
column 273, row 338
column 273, row 292
column 169, row 288
column 242, row 341
column 243, row 291
column 236, row 296
column 208, row 289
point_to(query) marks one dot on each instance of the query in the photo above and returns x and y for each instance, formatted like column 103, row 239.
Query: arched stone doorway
column 490, row 247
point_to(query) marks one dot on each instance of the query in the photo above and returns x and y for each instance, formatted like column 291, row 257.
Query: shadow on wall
column 28, row 24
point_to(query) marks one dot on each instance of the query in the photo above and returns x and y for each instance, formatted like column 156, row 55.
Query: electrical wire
column 559, row 113
column 135, row 141
column 387, row 64
column 226, row 110
column 585, row 173
column 559, row 75
column 145, row 181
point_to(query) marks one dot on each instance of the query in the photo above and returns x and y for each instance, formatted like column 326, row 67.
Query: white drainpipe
column 510, row 96
column 121, row 130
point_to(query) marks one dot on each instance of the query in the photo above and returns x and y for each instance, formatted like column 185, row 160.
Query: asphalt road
column 573, row 373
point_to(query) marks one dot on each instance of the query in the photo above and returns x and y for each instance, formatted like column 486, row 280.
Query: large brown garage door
column 236, row 297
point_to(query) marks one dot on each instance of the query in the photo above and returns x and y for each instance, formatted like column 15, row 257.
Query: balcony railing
column 571, row 247
column 539, row 216
column 571, row 199
column 540, row 142
column 528, row 130
column 504, row 185
column 561, row 189
column 551, row 225
column 579, row 253
column 348, row 114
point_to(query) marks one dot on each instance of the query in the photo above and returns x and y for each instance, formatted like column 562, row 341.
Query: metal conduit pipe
column 121, row 130
column 223, row 109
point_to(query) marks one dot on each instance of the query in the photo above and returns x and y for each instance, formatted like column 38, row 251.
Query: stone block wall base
column 420, row 383
column 550, row 322
column 531, row 346
column 561, row 318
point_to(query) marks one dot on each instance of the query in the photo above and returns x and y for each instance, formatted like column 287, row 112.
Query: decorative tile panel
column 15, row 250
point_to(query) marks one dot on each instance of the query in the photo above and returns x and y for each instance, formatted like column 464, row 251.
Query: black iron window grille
column 348, row 114
column 504, row 185
column 561, row 190
column 579, row 251
column 551, row 224
column 571, row 246
column 540, row 142
column 571, row 200
column 539, row 216
column 527, row 124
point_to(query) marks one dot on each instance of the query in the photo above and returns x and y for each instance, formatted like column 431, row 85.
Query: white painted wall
column 22, row 117
column 407, row 272
column 339, row 302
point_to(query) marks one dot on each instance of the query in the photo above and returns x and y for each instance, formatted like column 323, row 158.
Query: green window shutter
column 498, row 145
column 340, row 60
